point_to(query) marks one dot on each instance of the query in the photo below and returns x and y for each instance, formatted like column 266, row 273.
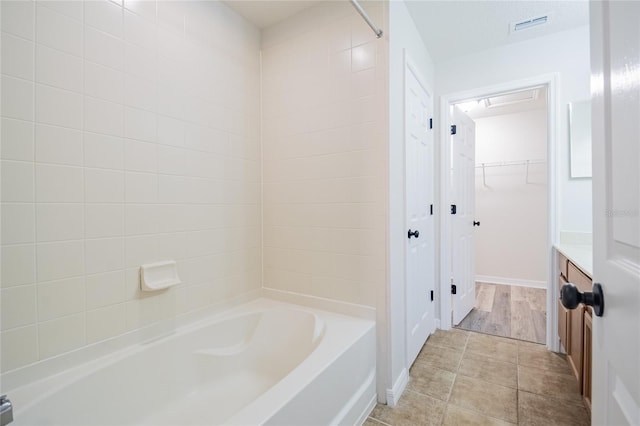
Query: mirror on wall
column 580, row 139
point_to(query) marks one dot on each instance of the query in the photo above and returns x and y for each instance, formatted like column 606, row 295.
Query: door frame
column 550, row 81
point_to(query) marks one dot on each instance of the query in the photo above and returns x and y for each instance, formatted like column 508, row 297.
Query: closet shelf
column 525, row 163
column 509, row 163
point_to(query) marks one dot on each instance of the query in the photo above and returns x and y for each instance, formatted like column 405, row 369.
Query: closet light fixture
column 511, row 98
column 530, row 23
column 468, row 106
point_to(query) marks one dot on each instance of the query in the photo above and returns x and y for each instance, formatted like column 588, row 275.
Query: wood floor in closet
column 509, row 311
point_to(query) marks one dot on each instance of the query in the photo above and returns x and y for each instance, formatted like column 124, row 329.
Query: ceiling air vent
column 530, row 23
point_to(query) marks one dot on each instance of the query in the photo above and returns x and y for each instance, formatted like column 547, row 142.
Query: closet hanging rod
column 364, row 15
column 509, row 163
column 526, row 163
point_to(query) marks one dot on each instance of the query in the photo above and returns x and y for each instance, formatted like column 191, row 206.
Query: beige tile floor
column 467, row 378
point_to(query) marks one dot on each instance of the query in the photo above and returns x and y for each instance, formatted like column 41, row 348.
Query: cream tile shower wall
column 324, row 127
column 130, row 134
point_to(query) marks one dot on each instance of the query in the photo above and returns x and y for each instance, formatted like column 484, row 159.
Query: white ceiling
column 264, row 13
column 449, row 28
column 453, row 28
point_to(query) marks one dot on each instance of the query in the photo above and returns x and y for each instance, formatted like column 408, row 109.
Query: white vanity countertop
column 580, row 255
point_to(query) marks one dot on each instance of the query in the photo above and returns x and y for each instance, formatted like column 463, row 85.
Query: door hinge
column 432, row 295
column 454, row 129
column 454, row 290
column 454, row 209
column 431, row 209
column 431, row 123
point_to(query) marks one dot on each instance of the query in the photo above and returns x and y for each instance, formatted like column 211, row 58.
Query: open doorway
column 509, row 262
column 540, row 163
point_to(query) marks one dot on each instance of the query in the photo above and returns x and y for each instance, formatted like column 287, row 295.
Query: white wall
column 511, row 242
column 324, row 139
column 129, row 135
column 565, row 53
column 402, row 35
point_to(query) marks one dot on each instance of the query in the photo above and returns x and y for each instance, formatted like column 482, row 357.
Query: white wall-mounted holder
column 159, row 275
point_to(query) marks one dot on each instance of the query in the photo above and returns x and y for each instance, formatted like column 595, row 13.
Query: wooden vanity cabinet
column 563, row 266
column 564, row 320
column 576, row 342
column 586, row 362
column 574, row 327
column 564, row 316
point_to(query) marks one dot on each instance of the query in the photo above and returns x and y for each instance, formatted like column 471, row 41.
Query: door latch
column 571, row 297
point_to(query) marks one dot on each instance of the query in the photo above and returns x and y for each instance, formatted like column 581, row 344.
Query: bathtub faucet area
column 6, row 410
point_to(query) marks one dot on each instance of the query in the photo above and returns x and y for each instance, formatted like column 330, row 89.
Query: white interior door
column 463, row 152
column 420, row 267
column 615, row 53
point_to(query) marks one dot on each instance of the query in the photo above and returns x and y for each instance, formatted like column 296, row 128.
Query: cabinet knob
column 571, row 297
column 415, row 233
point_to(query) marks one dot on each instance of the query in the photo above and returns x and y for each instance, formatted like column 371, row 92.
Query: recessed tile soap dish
column 159, row 275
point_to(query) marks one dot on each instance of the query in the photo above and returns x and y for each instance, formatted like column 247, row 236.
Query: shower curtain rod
column 364, row 15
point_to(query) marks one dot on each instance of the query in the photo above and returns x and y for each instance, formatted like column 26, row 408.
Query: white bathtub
column 264, row 362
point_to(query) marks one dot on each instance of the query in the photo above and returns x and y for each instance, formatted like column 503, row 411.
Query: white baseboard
column 511, row 281
column 437, row 323
column 393, row 395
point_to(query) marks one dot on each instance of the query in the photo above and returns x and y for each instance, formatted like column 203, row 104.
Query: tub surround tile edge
column 335, row 306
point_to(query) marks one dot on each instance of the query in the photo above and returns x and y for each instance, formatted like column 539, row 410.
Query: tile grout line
column 35, row 180
column 485, row 355
column 517, row 383
column 377, row 420
column 518, row 363
column 455, row 378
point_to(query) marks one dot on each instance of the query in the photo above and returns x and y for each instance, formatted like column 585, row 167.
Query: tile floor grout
column 420, row 404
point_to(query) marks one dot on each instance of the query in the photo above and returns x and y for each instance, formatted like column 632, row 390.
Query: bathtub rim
column 29, row 394
column 13, row 380
column 264, row 405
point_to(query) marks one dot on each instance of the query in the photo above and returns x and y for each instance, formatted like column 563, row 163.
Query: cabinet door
column 574, row 352
column 586, row 367
column 564, row 321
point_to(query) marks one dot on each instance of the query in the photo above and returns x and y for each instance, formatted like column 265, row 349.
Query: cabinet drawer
column 562, row 265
